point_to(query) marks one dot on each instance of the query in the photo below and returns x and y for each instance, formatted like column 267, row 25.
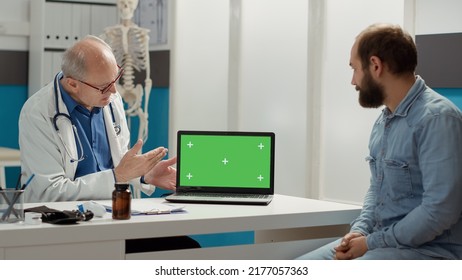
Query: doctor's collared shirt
column 415, row 197
column 92, row 132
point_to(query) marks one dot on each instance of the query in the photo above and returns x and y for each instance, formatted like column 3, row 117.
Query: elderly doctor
column 73, row 134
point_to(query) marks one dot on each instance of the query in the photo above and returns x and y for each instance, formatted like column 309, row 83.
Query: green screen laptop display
column 232, row 160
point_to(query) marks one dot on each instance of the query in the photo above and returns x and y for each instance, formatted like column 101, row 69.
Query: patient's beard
column 371, row 94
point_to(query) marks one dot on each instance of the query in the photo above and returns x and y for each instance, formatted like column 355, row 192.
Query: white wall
column 199, row 66
column 437, row 17
column 344, row 173
column 262, row 51
column 265, row 76
column 272, row 93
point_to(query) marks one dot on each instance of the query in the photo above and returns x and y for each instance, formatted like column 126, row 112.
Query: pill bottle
column 121, row 201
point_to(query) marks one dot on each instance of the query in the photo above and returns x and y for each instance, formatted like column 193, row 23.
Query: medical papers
column 149, row 207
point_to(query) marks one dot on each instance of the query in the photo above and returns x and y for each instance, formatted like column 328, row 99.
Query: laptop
column 226, row 167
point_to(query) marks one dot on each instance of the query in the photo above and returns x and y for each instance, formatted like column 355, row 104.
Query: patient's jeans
column 327, row 252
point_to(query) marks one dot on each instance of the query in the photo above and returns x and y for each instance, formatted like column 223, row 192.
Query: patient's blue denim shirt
column 415, row 194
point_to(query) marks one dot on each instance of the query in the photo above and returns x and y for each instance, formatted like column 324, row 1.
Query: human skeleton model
column 130, row 44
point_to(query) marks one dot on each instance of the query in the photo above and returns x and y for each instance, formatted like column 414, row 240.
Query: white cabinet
column 56, row 25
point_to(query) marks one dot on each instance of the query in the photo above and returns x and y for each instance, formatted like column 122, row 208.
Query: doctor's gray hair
column 74, row 59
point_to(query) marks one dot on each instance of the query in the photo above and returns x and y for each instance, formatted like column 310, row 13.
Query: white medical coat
column 44, row 154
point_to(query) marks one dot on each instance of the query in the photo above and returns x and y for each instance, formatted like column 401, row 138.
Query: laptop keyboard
column 226, row 195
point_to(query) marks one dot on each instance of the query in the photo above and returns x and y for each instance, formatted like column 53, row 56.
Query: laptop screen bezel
column 222, row 189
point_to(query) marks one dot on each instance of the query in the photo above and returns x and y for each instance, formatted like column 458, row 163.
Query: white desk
column 8, row 157
column 285, row 219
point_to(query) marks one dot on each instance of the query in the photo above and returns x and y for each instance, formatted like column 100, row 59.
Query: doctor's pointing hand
column 149, row 165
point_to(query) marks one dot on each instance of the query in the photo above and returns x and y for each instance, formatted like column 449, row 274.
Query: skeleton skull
column 127, row 8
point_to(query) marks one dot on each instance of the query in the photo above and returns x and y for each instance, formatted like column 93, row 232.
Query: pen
column 16, row 197
column 28, row 182
column 18, row 183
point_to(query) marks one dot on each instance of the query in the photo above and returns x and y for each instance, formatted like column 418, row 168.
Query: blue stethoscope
column 58, row 115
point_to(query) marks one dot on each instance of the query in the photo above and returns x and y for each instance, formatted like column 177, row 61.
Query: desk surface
column 283, row 212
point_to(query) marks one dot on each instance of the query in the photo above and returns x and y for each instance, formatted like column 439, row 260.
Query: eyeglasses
column 106, row 88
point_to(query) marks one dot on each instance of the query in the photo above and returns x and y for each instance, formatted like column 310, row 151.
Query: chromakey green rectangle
column 226, row 161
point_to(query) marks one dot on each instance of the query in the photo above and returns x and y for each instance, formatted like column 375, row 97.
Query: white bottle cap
column 32, row 218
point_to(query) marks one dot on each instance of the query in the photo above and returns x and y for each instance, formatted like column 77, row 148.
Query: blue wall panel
column 158, row 120
column 225, row 239
column 12, row 98
column 453, row 94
